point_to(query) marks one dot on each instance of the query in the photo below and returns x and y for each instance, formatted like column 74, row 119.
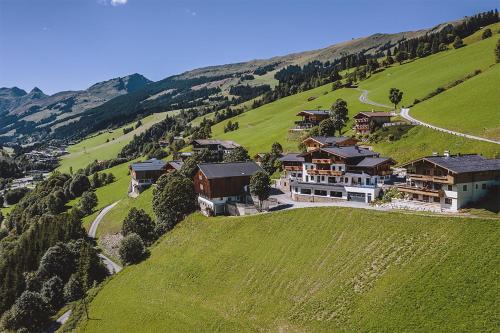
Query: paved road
column 405, row 113
column 363, row 98
column 111, row 265
column 98, row 219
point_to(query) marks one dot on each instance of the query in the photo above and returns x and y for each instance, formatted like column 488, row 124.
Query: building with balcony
column 144, row 174
column 341, row 173
column 366, row 122
column 292, row 170
column 450, row 182
column 311, row 118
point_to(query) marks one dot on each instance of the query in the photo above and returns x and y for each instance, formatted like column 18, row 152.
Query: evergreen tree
column 52, row 292
column 29, row 312
column 239, row 154
column 88, row 202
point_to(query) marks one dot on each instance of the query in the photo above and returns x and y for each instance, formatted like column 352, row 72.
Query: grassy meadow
column 472, row 107
column 98, row 147
column 422, row 76
column 320, row 270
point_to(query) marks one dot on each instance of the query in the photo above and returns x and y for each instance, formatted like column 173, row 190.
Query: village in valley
column 332, row 170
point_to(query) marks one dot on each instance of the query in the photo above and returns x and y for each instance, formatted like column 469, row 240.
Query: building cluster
column 48, row 155
column 334, row 169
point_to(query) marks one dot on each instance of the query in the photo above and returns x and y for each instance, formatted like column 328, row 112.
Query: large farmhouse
column 346, row 173
column 450, row 181
column 219, row 184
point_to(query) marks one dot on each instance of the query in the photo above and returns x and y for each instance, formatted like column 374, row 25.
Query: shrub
column 79, row 184
column 15, row 195
column 132, row 249
column 486, row 33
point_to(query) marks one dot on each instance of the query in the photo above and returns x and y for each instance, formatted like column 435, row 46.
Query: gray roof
column 329, row 140
column 176, row 164
column 350, row 151
column 465, row 163
column 292, row 157
column 232, row 169
column 316, row 112
column 224, row 143
column 149, row 165
column 372, row 161
column 374, row 114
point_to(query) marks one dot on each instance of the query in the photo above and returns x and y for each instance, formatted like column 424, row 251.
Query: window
column 322, row 178
column 346, row 180
column 447, row 201
column 299, row 175
column 331, row 180
column 307, row 178
column 359, row 180
column 333, row 167
column 415, row 196
column 464, row 188
column 483, row 186
column 305, row 191
column 450, row 187
column 436, row 199
column 336, row 194
column 321, row 193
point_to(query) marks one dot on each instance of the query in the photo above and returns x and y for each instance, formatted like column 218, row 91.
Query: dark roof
column 224, row 143
column 233, row 169
column 315, row 112
column 374, row 114
column 149, row 165
column 350, row 151
column 371, row 162
column 329, row 140
column 176, row 164
column 465, row 163
column 292, row 157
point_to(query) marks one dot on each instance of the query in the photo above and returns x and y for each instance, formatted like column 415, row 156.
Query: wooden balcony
column 436, row 179
column 322, row 161
column 293, row 168
column 420, row 190
column 320, row 172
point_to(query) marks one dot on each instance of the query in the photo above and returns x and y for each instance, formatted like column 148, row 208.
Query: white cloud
column 118, row 2
column 190, row 12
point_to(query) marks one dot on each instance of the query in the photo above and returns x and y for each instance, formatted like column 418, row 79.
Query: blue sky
column 71, row 44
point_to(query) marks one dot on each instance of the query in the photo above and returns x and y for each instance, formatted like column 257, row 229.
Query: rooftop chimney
column 446, row 153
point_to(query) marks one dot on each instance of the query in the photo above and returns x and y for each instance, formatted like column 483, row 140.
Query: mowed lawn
column 262, row 126
column 310, row 270
column 98, row 148
column 472, row 107
column 422, row 76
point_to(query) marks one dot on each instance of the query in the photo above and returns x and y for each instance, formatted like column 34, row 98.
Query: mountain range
column 29, row 117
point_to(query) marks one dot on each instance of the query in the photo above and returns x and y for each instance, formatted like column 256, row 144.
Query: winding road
column 405, row 113
column 111, row 265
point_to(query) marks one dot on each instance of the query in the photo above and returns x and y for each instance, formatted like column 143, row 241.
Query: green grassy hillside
column 422, row 76
column 323, row 269
column 471, row 107
column 106, row 145
column 260, row 127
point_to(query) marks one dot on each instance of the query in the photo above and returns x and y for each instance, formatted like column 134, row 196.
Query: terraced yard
column 321, row 270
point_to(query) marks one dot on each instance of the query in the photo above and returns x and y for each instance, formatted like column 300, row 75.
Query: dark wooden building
column 366, row 122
